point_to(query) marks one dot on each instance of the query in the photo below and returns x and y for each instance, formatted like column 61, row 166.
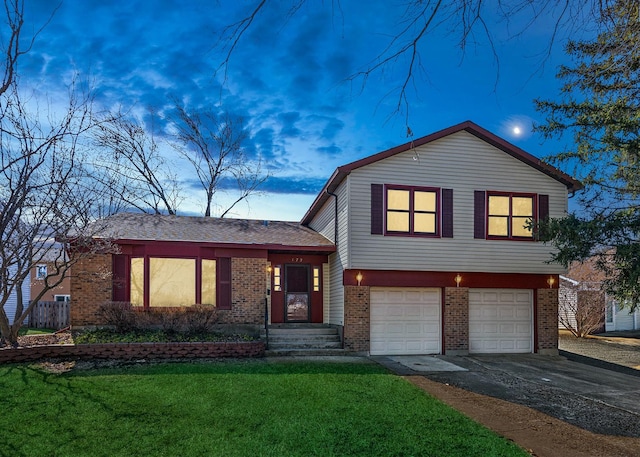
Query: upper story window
column 412, row 210
column 508, row 215
column 41, row 271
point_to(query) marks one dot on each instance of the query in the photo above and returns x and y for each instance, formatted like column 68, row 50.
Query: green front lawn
column 239, row 408
column 35, row 331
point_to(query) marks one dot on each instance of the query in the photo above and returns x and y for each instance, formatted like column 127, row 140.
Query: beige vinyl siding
column 463, row 163
column 323, row 221
column 338, row 261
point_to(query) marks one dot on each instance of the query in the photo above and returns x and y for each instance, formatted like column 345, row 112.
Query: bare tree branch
column 212, row 144
column 43, row 195
column 134, row 168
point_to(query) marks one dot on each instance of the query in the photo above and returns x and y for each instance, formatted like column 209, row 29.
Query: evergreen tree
column 600, row 107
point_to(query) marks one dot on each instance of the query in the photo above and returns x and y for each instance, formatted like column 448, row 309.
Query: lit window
column 136, row 281
column 172, row 282
column 412, row 210
column 208, row 282
column 509, row 215
column 277, row 279
column 316, row 279
column 41, row 271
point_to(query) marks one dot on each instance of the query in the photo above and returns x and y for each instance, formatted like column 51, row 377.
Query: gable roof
column 341, row 172
column 229, row 232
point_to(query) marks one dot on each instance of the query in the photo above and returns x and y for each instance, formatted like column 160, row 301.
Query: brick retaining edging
column 134, row 351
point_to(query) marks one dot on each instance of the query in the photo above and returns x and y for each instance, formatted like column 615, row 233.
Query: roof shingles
column 154, row 227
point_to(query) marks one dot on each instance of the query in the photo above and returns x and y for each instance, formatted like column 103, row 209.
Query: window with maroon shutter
column 511, row 215
column 447, row 213
column 377, row 209
column 173, row 281
column 412, row 210
column 224, row 283
column 479, row 214
column 543, row 207
column 119, row 291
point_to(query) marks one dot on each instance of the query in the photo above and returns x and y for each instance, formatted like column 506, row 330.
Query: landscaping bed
column 108, row 344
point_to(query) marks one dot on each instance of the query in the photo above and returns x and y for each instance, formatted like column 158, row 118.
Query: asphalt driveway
column 593, row 398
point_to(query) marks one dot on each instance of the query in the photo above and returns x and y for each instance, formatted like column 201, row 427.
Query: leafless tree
column 466, row 21
column 44, row 196
column 134, row 168
column 212, row 144
column 581, row 308
column 13, row 41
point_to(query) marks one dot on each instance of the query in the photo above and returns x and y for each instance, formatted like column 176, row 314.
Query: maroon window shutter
column 543, row 207
column 119, row 279
column 377, row 209
column 479, row 214
column 447, row 213
column 223, row 268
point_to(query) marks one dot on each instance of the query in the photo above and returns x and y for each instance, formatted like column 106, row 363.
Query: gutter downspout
column 335, row 221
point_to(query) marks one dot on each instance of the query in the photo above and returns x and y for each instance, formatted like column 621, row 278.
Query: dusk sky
column 288, row 78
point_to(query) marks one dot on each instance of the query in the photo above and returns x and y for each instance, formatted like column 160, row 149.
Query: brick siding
column 356, row 318
column 90, row 287
column 248, row 292
column 547, row 321
column 456, row 320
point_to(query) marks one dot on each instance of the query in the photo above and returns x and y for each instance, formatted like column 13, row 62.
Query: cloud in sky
column 288, row 76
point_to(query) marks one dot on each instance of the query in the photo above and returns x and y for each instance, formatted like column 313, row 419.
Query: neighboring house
column 47, row 266
column 11, row 304
column 420, row 249
column 582, row 287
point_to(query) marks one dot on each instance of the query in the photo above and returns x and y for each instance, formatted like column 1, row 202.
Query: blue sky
column 288, row 78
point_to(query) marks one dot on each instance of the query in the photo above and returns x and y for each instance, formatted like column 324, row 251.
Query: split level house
column 425, row 248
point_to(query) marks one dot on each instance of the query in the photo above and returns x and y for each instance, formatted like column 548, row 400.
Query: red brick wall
column 134, row 351
column 248, row 292
column 90, row 287
column 456, row 320
column 356, row 318
column 547, row 321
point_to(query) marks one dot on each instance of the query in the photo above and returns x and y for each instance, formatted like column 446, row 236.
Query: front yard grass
column 235, row 408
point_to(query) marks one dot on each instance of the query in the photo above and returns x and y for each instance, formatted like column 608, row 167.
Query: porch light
column 458, row 279
column 359, row 277
column 269, row 268
column 551, row 281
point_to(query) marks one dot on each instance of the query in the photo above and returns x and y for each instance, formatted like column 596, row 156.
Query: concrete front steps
column 303, row 339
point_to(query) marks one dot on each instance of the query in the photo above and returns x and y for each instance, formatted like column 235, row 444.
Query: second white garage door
column 500, row 321
column 405, row 321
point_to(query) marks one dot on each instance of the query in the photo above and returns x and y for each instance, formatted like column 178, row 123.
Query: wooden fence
column 50, row 314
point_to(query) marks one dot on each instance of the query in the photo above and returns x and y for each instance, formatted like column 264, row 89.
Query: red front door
column 297, row 299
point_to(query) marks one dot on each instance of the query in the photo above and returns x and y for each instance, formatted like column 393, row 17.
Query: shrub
column 200, row 319
column 118, row 314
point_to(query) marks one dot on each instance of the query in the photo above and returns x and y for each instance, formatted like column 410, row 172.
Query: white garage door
column 500, row 321
column 405, row 321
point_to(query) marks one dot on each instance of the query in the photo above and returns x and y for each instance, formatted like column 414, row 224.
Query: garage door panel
column 507, row 329
column 405, row 321
column 500, row 321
